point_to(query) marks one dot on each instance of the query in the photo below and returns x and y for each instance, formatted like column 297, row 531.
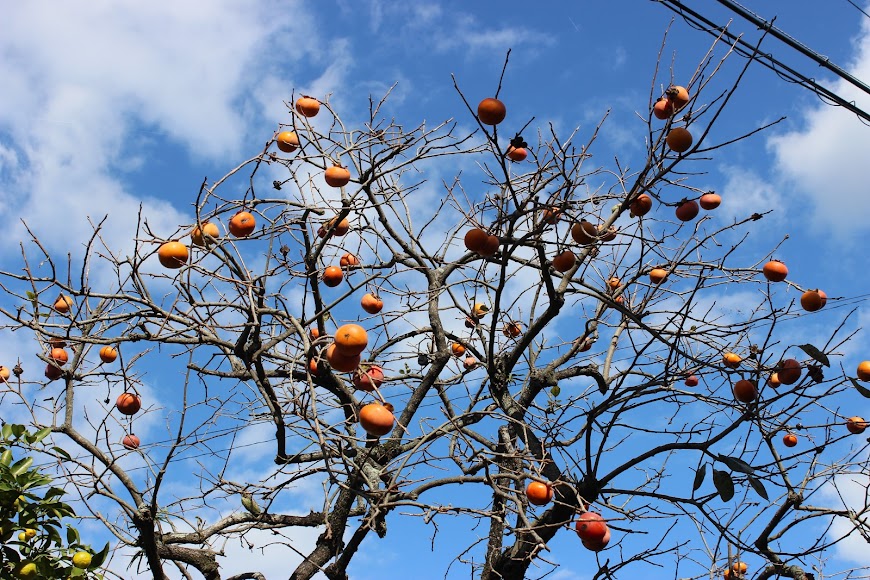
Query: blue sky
column 108, row 106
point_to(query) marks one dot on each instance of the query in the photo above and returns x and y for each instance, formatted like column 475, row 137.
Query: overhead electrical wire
column 787, row 73
column 792, row 42
column 858, row 8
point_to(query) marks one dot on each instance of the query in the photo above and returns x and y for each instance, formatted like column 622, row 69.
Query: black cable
column 861, row 10
column 802, row 48
column 767, row 60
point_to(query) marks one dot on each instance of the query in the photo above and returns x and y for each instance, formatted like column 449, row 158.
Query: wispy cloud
column 819, row 158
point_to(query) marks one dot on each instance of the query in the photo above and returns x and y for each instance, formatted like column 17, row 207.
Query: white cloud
column 89, row 90
column 820, row 158
column 745, row 193
column 851, row 492
column 271, row 557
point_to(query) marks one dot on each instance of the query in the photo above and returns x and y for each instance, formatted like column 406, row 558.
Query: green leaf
column 6, row 457
column 30, row 295
column 758, row 487
column 53, row 493
column 555, row 390
column 736, row 464
column 18, row 430
column 62, row 453
column 41, row 434
column 100, row 557
column 21, row 466
column 815, row 353
column 72, row 535
column 724, row 484
column 699, row 477
column 865, row 392
column 6, row 431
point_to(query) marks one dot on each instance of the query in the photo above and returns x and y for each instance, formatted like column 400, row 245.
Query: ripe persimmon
column 739, row 568
column 198, row 236
column 490, row 246
column 607, row 234
column 745, row 391
column 687, row 210
column 677, row 95
column 773, row 380
column 242, row 224
column 336, row 176
column 371, row 303
column 287, row 141
column 59, row 356
column 5, row 373
column 551, row 215
column 479, row 310
column 539, row 493
column 663, row 108
column 172, row 254
column 863, row 371
column 512, row 329
column 340, row 229
column 341, row 362
column 856, row 425
column 692, row 381
column 564, row 261
column 775, row 271
column 731, row 360
column 613, row 283
column 348, row 259
column 469, row 363
column 376, row 419
column 53, row 372
column 658, row 275
column 591, row 527
column 813, row 300
column 597, row 545
column 351, row 339
column 789, row 371
column 457, row 349
column 679, row 139
column 131, row 441
column 789, row 440
column 128, row 403
column 63, row 304
column 108, row 354
column 475, row 239
column 710, row 200
column 584, row 232
column 307, row 106
column 332, row 276
column 368, row 377
column 517, row 154
column 640, row 206
column 491, row 111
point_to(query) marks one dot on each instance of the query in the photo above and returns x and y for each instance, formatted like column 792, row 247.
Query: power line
column 792, row 42
column 743, row 48
column 861, row 10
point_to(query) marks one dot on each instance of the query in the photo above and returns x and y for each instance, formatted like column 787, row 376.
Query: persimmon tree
column 533, row 339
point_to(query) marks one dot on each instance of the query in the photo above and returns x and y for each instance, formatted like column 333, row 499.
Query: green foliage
column 35, row 541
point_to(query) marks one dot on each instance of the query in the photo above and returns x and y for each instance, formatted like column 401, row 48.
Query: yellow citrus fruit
column 82, row 559
column 25, row 570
